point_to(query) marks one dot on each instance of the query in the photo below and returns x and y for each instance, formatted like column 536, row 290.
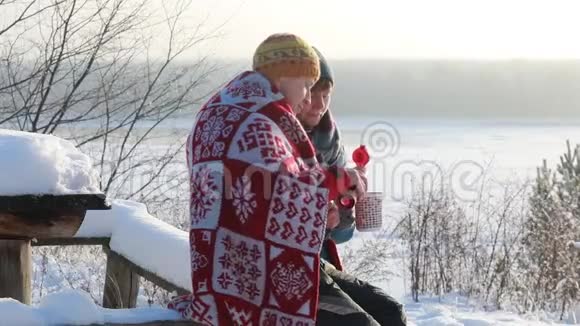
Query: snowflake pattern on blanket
column 258, row 211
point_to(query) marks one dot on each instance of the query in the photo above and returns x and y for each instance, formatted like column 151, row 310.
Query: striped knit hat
column 286, row 55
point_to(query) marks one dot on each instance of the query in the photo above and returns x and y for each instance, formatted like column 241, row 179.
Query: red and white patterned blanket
column 258, row 210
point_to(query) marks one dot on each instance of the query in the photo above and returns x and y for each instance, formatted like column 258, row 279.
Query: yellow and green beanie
column 286, row 55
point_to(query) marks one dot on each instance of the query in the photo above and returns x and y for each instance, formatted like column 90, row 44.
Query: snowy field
column 77, row 308
column 508, row 152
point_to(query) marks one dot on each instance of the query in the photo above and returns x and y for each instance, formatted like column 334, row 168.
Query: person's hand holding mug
column 358, row 181
column 333, row 217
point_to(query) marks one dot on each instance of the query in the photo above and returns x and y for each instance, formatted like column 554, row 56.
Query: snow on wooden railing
column 49, row 195
column 136, row 245
column 122, row 282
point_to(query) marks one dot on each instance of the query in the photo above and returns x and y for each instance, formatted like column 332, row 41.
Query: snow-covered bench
column 48, row 188
column 137, row 245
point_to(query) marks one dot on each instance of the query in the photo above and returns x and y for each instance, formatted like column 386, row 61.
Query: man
column 338, row 289
column 259, row 199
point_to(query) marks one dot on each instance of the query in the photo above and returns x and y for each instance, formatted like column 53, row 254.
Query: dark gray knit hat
column 325, row 70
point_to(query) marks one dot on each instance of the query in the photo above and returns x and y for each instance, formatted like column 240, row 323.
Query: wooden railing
column 52, row 220
column 122, row 277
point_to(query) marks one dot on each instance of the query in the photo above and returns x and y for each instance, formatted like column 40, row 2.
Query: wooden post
column 15, row 270
column 121, row 283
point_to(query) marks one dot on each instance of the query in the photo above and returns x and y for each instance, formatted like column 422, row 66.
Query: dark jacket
column 330, row 152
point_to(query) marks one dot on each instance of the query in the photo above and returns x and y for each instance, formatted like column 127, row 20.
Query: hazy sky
column 485, row 29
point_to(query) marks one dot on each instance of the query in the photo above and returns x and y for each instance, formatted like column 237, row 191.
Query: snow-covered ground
column 74, row 308
column 77, row 308
column 456, row 311
column 448, row 310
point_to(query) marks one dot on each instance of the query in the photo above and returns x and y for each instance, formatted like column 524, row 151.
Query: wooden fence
column 122, row 278
column 52, row 220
